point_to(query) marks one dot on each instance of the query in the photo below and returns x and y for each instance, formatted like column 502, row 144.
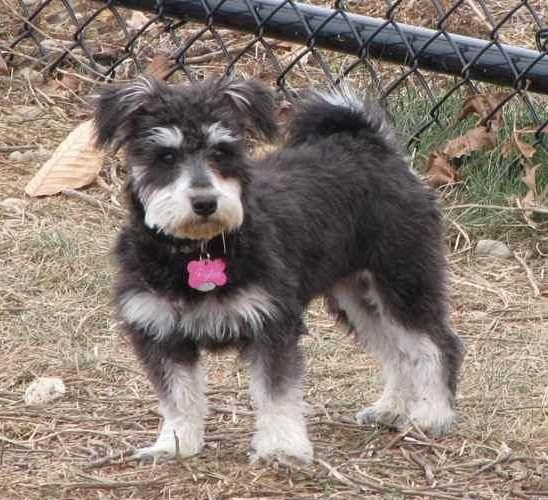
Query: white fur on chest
column 212, row 318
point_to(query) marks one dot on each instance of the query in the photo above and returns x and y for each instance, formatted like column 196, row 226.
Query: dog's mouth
column 204, row 229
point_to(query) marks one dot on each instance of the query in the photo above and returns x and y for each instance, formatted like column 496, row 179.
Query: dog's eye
column 222, row 151
column 167, row 157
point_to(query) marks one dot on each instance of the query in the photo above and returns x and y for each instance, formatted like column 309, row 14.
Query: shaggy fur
column 335, row 211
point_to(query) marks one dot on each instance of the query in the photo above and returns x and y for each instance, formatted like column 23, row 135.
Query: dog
column 222, row 250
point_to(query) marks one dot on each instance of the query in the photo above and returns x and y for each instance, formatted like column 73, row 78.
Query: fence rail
column 183, row 26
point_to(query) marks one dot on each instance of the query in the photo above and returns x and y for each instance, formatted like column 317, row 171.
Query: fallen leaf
column 69, row 82
column 544, row 290
column 159, row 66
column 529, row 178
column 105, row 15
column 439, row 171
column 530, row 200
column 507, row 148
column 476, row 139
column 483, row 105
column 137, row 21
column 4, row 70
column 75, row 163
column 527, row 203
column 526, row 150
column 515, row 143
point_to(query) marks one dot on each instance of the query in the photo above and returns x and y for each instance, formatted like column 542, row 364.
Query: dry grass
column 55, row 319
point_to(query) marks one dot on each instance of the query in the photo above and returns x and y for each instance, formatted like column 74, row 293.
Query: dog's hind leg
column 419, row 366
column 276, row 374
column 174, row 369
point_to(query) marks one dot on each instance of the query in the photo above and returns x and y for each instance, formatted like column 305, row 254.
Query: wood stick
column 529, row 273
column 90, row 200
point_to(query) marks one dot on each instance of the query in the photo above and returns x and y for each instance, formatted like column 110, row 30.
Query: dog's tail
column 322, row 114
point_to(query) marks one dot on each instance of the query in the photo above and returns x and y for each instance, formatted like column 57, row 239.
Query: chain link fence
column 426, row 51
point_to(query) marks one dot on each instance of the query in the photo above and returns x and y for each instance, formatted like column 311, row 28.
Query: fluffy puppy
column 224, row 251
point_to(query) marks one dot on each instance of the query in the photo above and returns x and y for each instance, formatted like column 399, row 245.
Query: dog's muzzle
column 204, row 205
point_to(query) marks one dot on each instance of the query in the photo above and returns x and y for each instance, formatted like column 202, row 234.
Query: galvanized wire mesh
column 297, row 45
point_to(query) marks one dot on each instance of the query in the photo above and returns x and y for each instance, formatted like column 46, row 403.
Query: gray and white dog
column 221, row 250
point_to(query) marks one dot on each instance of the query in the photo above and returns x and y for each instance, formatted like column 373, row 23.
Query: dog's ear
column 116, row 106
column 254, row 104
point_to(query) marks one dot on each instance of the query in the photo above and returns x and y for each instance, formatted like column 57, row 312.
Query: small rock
column 44, row 390
column 27, row 112
column 38, row 154
column 493, row 248
column 31, row 75
column 16, row 205
column 28, row 3
column 22, row 156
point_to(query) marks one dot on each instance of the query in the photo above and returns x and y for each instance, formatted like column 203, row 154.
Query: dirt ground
column 56, row 320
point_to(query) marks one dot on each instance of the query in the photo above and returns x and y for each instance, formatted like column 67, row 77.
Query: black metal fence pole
column 484, row 60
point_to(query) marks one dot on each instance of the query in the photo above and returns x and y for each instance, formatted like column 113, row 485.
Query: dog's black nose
column 204, row 204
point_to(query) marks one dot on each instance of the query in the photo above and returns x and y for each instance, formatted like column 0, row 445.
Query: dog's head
column 185, row 149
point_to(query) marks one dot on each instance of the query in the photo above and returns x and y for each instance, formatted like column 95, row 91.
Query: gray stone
column 493, row 248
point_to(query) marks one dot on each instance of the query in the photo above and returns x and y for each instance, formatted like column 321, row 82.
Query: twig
column 396, row 440
column 503, row 456
column 538, row 210
column 529, row 273
column 124, row 456
column 14, row 443
column 9, row 149
column 105, row 484
column 339, row 476
column 428, row 474
column 230, row 411
column 366, row 484
column 90, row 200
column 212, row 55
column 481, row 17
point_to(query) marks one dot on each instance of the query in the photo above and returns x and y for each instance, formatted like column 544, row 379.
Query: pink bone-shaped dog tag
column 205, row 275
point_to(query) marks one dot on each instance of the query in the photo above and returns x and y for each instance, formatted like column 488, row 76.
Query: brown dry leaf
column 476, row 139
column 482, row 105
column 523, row 148
column 75, row 163
column 105, row 15
column 70, row 82
column 159, row 66
column 136, row 21
column 526, row 150
column 439, row 171
column 530, row 200
column 507, row 148
column 544, row 290
column 527, row 203
column 529, row 177
column 4, row 70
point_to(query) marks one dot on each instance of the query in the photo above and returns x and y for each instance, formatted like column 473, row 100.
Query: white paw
column 377, row 414
column 282, row 441
column 181, row 442
column 434, row 419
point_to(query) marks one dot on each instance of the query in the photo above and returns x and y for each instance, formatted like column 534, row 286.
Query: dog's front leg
column 174, row 369
column 276, row 375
